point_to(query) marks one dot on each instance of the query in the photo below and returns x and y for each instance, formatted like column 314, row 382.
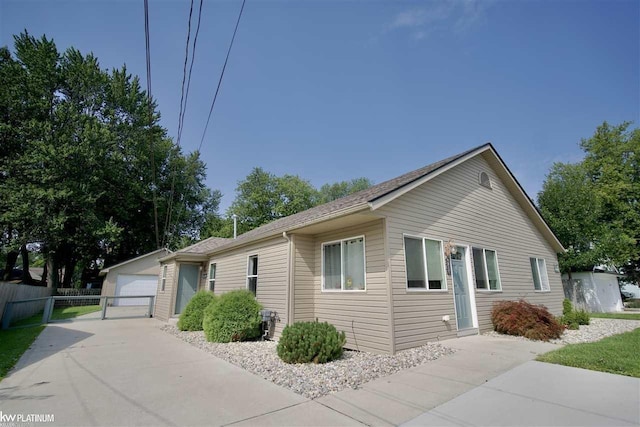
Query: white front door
column 461, row 289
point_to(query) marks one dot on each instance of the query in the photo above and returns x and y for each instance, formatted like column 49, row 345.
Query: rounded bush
column 571, row 318
column 234, row 316
column 525, row 319
column 193, row 314
column 305, row 342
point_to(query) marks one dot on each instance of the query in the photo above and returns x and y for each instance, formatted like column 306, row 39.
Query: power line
column 224, row 67
column 150, row 112
column 184, row 97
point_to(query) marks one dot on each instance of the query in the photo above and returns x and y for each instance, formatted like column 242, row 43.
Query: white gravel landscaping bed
column 310, row 380
column 595, row 331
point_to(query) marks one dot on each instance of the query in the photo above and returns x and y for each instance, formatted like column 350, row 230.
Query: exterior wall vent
column 484, row 180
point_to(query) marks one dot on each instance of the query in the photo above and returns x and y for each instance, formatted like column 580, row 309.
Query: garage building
column 137, row 276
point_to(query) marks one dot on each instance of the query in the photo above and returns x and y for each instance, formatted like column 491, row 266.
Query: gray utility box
column 267, row 315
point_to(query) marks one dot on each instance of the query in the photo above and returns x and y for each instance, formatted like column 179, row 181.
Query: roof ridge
column 363, row 196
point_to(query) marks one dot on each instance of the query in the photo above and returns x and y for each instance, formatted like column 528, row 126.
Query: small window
column 252, row 274
column 485, row 267
column 539, row 273
column 212, row 276
column 163, row 284
column 484, row 180
column 425, row 264
column 343, row 265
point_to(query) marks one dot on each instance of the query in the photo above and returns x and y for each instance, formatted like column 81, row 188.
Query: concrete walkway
column 128, row 372
column 405, row 395
column 542, row 394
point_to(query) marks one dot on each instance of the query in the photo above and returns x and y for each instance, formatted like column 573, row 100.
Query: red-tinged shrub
column 525, row 319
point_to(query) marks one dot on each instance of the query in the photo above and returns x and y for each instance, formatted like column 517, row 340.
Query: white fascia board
column 378, row 203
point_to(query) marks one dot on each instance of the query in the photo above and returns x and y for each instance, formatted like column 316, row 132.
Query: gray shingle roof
column 205, row 246
column 351, row 201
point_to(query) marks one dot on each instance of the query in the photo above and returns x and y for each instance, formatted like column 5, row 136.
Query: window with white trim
column 212, row 276
column 163, row 284
column 424, row 261
column 539, row 273
column 485, row 267
column 252, row 273
column 343, row 265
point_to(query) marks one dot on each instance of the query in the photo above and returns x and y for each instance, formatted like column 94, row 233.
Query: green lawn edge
column 13, row 344
column 623, row 316
column 617, row 354
column 60, row 313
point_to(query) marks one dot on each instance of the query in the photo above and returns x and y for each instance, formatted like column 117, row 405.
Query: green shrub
column 234, row 316
column 571, row 318
column 305, row 342
column 582, row 317
column 567, row 307
column 193, row 314
column 525, row 319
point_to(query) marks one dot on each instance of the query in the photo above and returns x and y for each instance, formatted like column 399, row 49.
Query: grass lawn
column 13, row 343
column 59, row 314
column 617, row 354
column 625, row 316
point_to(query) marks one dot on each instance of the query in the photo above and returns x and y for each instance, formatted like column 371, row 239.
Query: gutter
column 271, row 234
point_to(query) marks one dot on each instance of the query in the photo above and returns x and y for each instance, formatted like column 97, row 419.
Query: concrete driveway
column 128, row 372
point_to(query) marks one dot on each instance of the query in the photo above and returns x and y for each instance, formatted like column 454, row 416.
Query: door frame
column 470, row 288
column 174, row 297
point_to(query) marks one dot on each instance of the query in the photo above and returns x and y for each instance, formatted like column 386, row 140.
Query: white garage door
column 133, row 284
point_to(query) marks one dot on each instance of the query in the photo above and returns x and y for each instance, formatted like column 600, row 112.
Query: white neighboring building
column 594, row 291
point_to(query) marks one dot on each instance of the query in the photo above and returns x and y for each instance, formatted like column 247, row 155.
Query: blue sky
column 334, row 90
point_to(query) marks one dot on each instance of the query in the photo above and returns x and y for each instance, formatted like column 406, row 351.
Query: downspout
column 290, row 281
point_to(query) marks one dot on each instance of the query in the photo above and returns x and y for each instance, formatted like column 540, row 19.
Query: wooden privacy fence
column 12, row 292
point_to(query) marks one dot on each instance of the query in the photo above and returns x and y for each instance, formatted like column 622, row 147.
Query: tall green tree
column 330, row 192
column 592, row 206
column 77, row 144
column 263, row 197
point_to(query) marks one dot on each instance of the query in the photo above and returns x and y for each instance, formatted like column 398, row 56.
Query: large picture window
column 343, row 265
column 539, row 272
column 485, row 266
column 252, row 274
column 425, row 263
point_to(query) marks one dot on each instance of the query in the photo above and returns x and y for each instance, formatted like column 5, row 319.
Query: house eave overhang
column 104, row 271
column 278, row 232
column 184, row 257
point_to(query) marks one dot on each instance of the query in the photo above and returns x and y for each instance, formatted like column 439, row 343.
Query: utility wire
column 184, row 97
column 150, row 112
column 224, row 67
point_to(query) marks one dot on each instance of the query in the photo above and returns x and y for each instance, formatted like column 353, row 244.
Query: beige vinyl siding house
column 418, row 258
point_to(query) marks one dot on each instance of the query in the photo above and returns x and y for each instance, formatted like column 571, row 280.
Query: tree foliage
column 75, row 159
column 593, row 206
column 330, row 192
column 263, row 197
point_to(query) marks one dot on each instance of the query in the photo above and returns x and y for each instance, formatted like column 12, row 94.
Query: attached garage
column 137, row 276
